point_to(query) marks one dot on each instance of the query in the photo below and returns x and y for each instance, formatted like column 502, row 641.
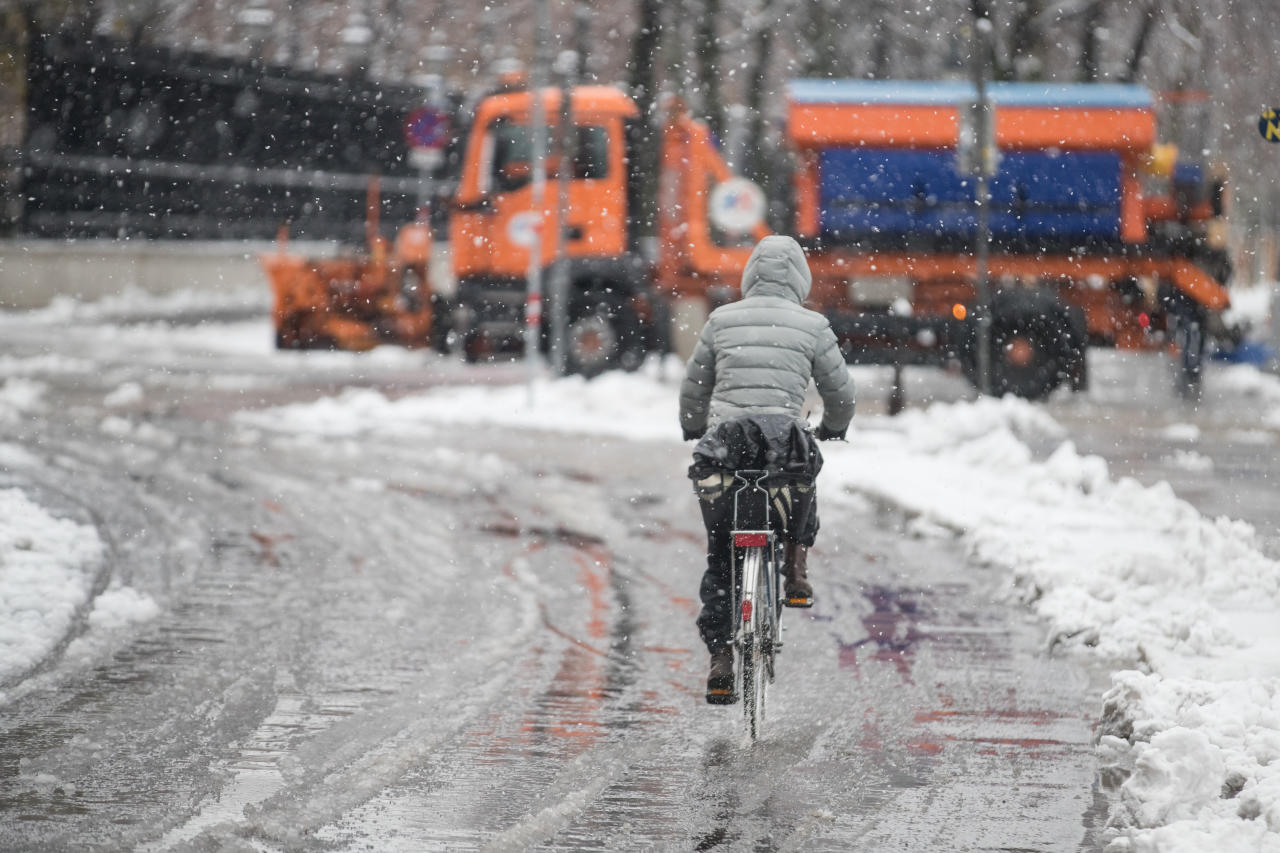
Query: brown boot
column 796, row 591
column 720, row 681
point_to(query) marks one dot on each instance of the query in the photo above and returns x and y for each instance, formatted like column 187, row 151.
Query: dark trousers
column 715, row 622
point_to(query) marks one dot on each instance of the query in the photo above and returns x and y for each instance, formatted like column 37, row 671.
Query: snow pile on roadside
column 625, row 405
column 1130, row 573
column 1203, row 761
column 134, row 302
column 1249, row 381
column 1251, row 306
column 48, row 363
column 46, row 575
column 18, row 396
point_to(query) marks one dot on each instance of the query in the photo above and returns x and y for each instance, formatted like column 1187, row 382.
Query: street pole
column 567, row 71
column 537, row 162
column 985, row 169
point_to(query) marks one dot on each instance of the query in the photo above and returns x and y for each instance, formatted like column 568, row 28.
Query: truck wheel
column 476, row 346
column 1024, row 361
column 1034, row 346
column 603, row 336
column 593, row 344
column 441, row 324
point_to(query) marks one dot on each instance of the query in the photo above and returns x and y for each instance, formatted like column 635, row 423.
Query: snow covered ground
column 1182, row 606
column 47, row 573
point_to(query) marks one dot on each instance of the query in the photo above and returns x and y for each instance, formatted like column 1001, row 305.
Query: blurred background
column 88, row 83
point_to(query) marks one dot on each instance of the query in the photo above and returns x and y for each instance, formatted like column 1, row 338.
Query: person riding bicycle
column 754, row 359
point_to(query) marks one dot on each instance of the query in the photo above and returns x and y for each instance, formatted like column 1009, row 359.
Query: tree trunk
column 1026, row 44
column 1140, row 41
column 708, row 49
column 758, row 161
column 1089, row 60
column 879, row 41
column 642, row 141
column 820, row 28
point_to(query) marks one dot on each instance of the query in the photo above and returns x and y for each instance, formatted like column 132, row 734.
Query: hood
column 777, row 267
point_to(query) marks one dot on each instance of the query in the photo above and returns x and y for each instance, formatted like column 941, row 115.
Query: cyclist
column 755, row 359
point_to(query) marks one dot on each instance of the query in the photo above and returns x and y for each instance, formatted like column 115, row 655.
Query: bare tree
column 707, row 46
column 645, row 44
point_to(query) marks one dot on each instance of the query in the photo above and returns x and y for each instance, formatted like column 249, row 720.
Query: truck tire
column 1024, row 359
column 603, row 336
column 1035, row 345
column 441, row 324
column 592, row 344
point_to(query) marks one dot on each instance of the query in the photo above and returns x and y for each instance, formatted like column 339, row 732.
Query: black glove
column 825, row 434
column 694, row 434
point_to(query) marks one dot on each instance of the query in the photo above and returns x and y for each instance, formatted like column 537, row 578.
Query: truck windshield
column 511, row 151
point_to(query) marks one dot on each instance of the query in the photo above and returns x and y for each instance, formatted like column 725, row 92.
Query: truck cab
column 493, row 220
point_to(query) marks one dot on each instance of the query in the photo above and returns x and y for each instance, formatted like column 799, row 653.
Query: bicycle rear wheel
column 756, row 638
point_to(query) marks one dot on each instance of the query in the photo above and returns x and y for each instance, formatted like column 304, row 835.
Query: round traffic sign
column 522, row 229
column 427, row 127
column 737, row 206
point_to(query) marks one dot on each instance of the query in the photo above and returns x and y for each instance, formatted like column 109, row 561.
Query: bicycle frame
column 756, row 611
column 759, row 534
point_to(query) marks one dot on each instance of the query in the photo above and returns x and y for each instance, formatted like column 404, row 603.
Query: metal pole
column 567, row 71
column 986, row 164
column 537, row 162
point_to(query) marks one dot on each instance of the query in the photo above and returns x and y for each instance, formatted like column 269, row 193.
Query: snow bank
column 618, row 404
column 46, row 576
column 49, row 363
column 18, row 396
column 1115, row 569
column 49, row 568
column 1251, row 306
column 134, row 302
column 1131, row 574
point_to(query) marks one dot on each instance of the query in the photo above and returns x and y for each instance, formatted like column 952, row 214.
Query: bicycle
column 756, row 568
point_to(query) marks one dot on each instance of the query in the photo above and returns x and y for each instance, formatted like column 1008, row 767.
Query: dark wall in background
column 125, row 141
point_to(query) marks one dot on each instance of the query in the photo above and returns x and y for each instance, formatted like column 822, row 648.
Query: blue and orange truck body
column 1098, row 234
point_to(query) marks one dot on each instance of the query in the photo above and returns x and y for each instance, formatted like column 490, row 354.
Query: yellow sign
column 1269, row 125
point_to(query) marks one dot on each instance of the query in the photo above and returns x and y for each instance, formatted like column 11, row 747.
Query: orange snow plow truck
column 1098, row 235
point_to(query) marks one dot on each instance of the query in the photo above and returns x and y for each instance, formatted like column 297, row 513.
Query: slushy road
column 483, row 638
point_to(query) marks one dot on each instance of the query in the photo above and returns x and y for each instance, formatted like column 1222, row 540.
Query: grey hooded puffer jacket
column 757, row 355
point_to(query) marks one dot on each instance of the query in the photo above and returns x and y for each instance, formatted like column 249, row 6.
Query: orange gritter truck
column 1098, row 234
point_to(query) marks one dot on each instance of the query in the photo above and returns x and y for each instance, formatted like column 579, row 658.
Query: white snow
column 49, row 363
column 618, row 404
column 1248, row 380
column 1251, row 306
column 135, row 302
column 120, row 607
column 126, row 394
column 19, row 396
column 1182, row 605
column 48, row 571
column 47, row 567
column 1189, row 433
column 1189, row 460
